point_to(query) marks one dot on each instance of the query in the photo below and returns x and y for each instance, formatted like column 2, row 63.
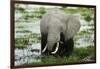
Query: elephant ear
column 72, row 25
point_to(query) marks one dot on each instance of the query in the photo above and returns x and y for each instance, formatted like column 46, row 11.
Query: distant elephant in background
column 57, row 31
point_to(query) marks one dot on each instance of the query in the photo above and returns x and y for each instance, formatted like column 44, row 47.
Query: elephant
column 57, row 31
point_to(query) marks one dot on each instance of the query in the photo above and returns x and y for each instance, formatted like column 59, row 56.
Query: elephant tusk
column 56, row 48
column 44, row 49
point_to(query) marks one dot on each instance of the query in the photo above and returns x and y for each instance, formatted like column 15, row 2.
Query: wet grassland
column 28, row 38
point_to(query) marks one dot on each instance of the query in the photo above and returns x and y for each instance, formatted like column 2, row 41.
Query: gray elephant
column 57, row 31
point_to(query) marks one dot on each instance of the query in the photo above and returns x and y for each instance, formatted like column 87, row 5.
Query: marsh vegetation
column 27, row 35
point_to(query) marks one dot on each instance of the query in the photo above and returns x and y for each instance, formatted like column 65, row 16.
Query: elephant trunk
column 50, row 46
column 53, row 39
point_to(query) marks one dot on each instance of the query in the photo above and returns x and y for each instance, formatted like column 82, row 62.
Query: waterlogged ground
column 27, row 36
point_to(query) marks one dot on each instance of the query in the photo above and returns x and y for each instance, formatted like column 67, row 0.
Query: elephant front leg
column 43, row 43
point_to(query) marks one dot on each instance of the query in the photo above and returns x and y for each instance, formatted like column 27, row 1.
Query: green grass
column 24, row 31
column 23, row 41
column 88, row 18
column 39, row 12
column 20, row 26
column 79, row 55
column 20, row 46
column 86, row 32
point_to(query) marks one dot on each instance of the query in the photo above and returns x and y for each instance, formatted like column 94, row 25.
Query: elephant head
column 53, row 38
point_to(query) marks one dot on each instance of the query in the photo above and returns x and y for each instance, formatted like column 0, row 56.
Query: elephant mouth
column 56, row 48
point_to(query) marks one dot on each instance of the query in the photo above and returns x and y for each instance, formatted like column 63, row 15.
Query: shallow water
column 32, row 53
column 26, row 56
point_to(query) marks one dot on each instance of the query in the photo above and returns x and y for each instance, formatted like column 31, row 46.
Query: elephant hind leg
column 69, row 45
column 66, row 48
